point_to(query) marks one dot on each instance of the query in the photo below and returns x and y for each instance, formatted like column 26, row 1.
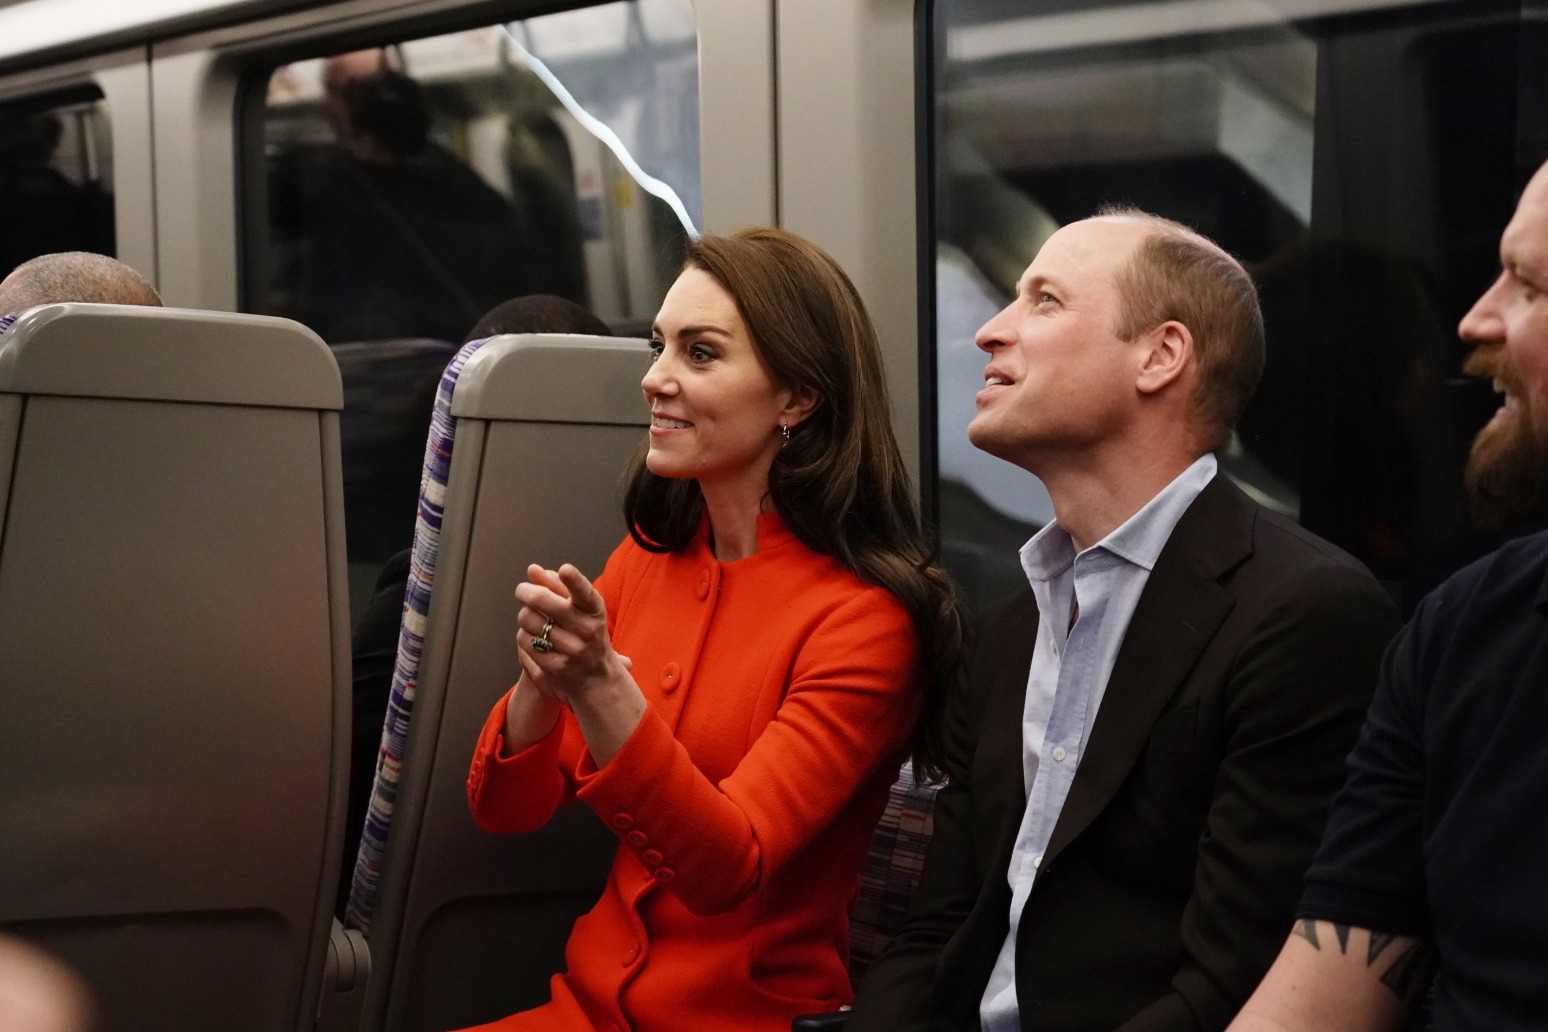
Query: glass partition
column 1360, row 157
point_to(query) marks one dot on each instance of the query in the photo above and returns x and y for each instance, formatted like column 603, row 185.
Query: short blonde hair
column 1177, row 274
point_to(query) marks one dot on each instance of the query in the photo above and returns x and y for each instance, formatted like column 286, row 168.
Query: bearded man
column 1436, row 853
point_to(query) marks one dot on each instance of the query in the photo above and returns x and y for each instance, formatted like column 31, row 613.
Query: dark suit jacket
column 1175, row 865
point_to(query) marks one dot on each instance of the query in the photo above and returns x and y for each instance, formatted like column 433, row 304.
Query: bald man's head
column 74, row 276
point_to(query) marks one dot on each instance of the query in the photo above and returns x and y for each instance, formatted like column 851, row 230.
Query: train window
column 393, row 195
column 1333, row 152
column 56, row 175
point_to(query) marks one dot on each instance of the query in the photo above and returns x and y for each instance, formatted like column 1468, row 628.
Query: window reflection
column 1333, row 153
column 56, row 174
column 397, row 193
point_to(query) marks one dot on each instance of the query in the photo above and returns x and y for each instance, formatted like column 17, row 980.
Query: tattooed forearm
column 1412, row 966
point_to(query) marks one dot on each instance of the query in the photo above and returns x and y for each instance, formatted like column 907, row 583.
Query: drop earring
column 784, row 431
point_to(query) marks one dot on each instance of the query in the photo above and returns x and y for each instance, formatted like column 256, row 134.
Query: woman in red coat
column 734, row 694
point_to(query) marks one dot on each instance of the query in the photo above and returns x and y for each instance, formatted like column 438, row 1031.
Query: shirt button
column 622, row 821
column 671, row 676
column 636, row 839
column 663, row 874
column 1059, row 754
column 651, row 857
column 1037, row 861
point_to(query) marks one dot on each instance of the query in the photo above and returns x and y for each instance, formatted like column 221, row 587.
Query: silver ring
column 541, row 642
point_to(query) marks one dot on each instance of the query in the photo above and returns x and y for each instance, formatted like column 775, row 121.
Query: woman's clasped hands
column 567, row 657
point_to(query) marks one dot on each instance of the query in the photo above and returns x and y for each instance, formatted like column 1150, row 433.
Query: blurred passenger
column 388, row 234
column 74, row 276
column 375, row 643
column 1146, row 741
column 44, row 209
column 734, row 694
column 38, row 994
column 1436, row 854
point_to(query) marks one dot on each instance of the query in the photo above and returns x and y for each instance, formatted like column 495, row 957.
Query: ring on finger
column 541, row 642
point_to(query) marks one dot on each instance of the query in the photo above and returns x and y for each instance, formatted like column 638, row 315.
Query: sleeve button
column 636, row 839
column 651, row 857
column 622, row 821
column 663, row 874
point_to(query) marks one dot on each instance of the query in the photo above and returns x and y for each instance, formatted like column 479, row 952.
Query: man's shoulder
column 1515, row 574
column 1244, row 543
column 1281, row 537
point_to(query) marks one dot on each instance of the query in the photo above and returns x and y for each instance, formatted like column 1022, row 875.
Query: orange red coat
column 782, row 691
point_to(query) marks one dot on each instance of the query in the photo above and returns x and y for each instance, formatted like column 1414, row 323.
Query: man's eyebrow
column 1037, row 281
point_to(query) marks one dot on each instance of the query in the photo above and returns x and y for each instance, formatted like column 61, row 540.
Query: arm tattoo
column 1408, row 976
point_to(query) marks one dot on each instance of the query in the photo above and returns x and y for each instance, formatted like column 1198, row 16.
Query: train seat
column 887, row 880
column 465, row 927
column 174, row 659
column 891, row 870
column 389, row 392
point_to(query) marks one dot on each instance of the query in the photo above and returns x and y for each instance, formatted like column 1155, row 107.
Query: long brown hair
column 839, row 484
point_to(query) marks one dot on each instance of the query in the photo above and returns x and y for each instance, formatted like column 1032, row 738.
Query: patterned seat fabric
column 891, row 870
column 411, row 639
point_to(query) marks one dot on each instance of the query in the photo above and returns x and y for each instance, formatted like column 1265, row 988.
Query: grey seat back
column 467, row 927
column 174, row 655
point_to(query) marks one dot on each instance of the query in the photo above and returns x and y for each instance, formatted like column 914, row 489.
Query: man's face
column 1507, row 471
column 1059, row 381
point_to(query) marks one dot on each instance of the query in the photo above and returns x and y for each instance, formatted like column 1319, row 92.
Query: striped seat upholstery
column 891, row 870
column 411, row 639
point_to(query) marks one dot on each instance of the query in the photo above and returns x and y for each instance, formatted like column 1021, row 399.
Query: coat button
column 671, row 677
column 651, row 857
column 663, row 874
column 622, row 821
column 636, row 839
column 704, row 585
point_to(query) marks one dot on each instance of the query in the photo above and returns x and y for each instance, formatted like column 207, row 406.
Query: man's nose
column 1482, row 322
column 993, row 334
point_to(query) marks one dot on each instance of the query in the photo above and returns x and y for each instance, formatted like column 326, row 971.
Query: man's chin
column 1507, row 478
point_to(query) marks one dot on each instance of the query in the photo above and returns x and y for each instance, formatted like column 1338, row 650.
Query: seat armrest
column 345, row 975
column 830, row 1022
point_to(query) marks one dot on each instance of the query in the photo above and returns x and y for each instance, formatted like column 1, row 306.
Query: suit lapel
column 1009, row 653
column 1178, row 613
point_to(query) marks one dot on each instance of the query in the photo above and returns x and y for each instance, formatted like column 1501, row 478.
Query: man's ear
column 1168, row 352
column 802, row 403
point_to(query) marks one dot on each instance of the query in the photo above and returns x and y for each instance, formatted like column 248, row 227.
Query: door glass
column 1361, row 158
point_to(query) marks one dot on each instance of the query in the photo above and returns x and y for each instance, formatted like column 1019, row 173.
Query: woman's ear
column 802, row 402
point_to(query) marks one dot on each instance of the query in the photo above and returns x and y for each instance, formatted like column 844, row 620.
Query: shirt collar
column 1138, row 540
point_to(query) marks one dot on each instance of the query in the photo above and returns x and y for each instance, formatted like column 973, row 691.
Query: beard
column 1507, row 473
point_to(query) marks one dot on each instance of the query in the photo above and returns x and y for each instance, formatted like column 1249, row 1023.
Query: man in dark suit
column 1142, row 753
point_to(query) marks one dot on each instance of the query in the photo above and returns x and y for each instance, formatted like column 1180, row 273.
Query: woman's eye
column 656, row 348
column 700, row 354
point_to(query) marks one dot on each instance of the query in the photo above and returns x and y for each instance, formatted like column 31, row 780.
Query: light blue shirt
column 1070, row 668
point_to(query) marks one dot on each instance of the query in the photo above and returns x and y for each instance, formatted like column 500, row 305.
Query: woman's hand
column 566, row 655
